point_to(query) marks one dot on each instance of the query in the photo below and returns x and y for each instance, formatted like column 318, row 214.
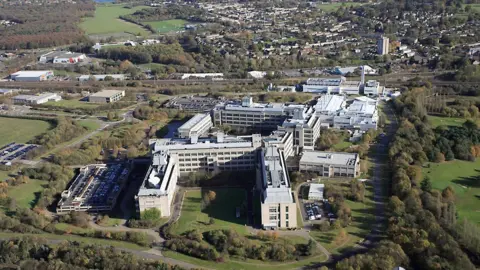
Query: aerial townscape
column 205, row 134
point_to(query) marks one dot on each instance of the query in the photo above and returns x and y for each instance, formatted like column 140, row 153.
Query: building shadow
column 229, row 204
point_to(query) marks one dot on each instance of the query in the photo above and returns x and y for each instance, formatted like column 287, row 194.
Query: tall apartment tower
column 383, row 45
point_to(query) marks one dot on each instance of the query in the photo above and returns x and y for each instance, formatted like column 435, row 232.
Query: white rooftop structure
column 276, row 177
column 197, row 125
column 219, row 142
column 333, row 158
column 316, row 192
column 201, row 75
column 257, row 74
column 329, row 104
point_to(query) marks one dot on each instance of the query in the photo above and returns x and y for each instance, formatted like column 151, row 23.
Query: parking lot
column 13, row 151
column 95, row 189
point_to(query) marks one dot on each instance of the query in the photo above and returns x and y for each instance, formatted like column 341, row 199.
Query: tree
column 151, row 214
column 426, row 184
column 211, row 195
column 110, row 116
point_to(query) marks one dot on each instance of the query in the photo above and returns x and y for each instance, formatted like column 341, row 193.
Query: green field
column 464, row 178
column 363, row 219
column 91, row 125
column 222, row 209
column 106, row 21
column 86, row 240
column 334, row 6
column 71, row 104
column 436, row 121
column 246, row 264
column 342, row 146
column 167, row 25
column 20, row 130
column 25, row 194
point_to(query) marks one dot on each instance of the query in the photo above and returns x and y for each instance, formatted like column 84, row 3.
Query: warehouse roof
column 316, row 191
column 106, row 93
column 31, row 73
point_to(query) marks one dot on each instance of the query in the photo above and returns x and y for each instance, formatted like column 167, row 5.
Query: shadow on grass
column 226, row 204
column 471, row 181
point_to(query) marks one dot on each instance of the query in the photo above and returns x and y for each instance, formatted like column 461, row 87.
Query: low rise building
column 278, row 206
column 338, row 85
column 158, row 187
column 31, row 75
column 101, row 77
column 36, row 99
column 106, row 96
column 330, row 164
column 192, row 104
column 372, row 88
column 198, row 125
column 62, row 57
column 362, row 114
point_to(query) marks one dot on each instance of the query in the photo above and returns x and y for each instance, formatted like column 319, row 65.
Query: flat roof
column 31, row 73
column 334, row 158
column 62, row 54
column 205, row 143
column 106, row 93
column 330, row 103
column 326, row 81
column 35, row 97
column 194, row 120
column 276, row 177
column 363, row 107
column 316, row 191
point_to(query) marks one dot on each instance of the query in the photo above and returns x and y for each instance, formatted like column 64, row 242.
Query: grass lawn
column 475, row 7
column 72, row 104
column 112, row 222
column 85, row 240
column 24, row 194
column 65, row 227
column 222, row 210
column 436, row 121
column 107, row 21
column 342, row 146
column 20, row 130
column 167, row 25
column 246, row 264
column 363, row 218
column 91, row 125
column 464, row 178
column 334, row 6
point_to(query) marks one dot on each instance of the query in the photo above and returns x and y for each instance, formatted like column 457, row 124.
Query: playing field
column 464, row 178
column 222, row 210
column 106, row 21
column 168, row 25
column 334, row 6
column 436, row 121
column 25, row 194
column 20, row 130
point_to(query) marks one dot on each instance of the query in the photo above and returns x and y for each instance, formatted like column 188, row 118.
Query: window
column 273, row 217
column 272, row 209
column 286, row 223
column 286, row 216
column 286, row 209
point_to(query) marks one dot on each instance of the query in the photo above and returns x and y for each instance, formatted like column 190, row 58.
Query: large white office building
column 253, row 116
column 278, row 206
column 362, row 114
column 158, row 187
column 338, row 85
column 198, row 125
column 330, row 164
column 305, row 128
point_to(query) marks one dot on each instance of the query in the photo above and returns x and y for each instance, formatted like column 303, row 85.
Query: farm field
column 107, row 21
column 25, row 194
column 463, row 177
column 167, row 25
column 222, row 210
column 20, row 130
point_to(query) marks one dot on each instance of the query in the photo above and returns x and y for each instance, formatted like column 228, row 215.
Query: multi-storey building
column 305, row 127
column 254, row 116
column 330, row 164
column 278, row 206
column 338, row 85
column 213, row 154
column 198, row 125
column 158, row 187
column 383, row 45
column 372, row 88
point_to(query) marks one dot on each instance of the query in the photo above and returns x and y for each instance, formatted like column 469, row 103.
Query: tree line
column 45, row 25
